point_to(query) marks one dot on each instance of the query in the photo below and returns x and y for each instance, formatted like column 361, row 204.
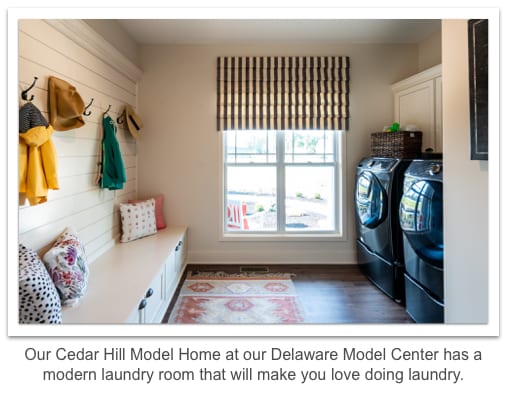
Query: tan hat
column 65, row 105
column 134, row 122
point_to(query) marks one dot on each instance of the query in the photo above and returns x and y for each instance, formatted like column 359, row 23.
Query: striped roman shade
column 283, row 93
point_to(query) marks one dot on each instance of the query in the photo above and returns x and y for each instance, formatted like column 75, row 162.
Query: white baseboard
column 279, row 258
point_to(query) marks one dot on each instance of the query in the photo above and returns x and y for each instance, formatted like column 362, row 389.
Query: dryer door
column 421, row 218
column 370, row 200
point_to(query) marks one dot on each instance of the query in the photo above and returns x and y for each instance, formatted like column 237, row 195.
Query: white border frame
column 491, row 329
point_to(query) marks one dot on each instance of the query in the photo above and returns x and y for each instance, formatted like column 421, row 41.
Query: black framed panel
column 478, row 38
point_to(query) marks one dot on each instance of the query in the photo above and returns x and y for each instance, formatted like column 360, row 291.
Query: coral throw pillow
column 138, row 220
column 159, row 211
column 67, row 265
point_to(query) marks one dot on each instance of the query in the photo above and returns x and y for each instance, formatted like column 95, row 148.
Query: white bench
column 132, row 282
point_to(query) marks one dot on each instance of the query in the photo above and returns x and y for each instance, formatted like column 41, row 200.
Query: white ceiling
column 214, row 31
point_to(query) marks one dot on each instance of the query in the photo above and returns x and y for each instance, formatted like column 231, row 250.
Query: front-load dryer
column 379, row 238
column 421, row 220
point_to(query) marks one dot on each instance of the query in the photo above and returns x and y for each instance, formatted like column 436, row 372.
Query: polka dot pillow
column 39, row 301
column 138, row 220
column 67, row 265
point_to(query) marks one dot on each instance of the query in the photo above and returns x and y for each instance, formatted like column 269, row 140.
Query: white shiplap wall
column 44, row 51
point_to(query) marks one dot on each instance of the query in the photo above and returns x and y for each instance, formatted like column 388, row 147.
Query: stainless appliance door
column 421, row 218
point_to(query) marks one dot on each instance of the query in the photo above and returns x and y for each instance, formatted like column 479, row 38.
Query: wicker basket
column 396, row 144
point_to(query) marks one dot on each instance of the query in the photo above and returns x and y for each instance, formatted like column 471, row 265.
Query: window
column 282, row 183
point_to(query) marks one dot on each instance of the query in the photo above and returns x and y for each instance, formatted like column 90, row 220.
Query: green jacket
column 113, row 171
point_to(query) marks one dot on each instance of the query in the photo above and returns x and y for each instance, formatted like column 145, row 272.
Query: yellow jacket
column 37, row 164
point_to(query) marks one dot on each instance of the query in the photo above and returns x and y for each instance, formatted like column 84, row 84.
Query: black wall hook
column 121, row 118
column 106, row 112
column 87, row 113
column 24, row 93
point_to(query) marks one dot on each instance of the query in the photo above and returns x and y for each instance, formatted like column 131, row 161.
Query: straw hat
column 65, row 105
column 134, row 122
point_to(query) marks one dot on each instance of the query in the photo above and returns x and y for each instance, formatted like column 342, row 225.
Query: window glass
column 282, row 182
column 255, row 146
column 310, row 198
column 309, row 146
column 251, row 203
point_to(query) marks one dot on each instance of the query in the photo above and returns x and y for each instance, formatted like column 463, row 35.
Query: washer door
column 370, row 200
column 421, row 218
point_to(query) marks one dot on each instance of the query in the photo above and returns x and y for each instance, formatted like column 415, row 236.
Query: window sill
column 297, row 237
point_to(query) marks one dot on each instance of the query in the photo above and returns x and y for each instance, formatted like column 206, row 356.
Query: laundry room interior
column 254, row 146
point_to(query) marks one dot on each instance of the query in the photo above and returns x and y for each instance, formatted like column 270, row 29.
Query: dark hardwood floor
column 329, row 294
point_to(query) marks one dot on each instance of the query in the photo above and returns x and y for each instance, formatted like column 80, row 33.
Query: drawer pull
column 149, row 293
column 142, row 304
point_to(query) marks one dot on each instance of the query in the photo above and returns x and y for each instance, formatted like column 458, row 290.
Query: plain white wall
column 429, row 51
column 178, row 153
column 465, row 189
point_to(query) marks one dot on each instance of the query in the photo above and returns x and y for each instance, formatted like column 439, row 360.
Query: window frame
column 294, row 235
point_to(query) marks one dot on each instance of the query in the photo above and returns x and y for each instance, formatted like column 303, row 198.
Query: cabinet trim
column 416, row 79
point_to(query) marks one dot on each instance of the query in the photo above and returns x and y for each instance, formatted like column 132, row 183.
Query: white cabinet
column 180, row 253
column 153, row 300
column 151, row 307
column 417, row 101
column 174, row 267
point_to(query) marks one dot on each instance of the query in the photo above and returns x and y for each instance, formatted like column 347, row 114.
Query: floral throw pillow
column 138, row 220
column 39, row 302
column 67, row 265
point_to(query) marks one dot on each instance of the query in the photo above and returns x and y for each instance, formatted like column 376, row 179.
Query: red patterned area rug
column 245, row 298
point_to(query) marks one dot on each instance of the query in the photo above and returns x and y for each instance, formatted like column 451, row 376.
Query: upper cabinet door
column 417, row 102
column 415, row 106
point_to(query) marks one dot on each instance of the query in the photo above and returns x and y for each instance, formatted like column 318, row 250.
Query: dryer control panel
column 379, row 164
column 426, row 169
